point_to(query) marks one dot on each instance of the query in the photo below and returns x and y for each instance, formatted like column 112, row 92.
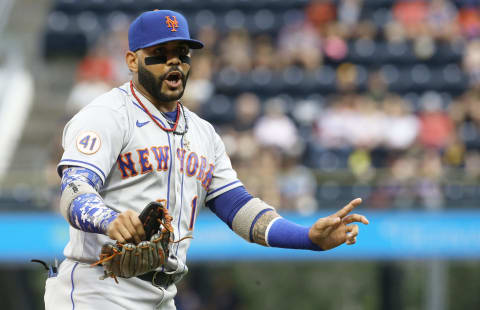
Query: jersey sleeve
column 93, row 138
column 224, row 176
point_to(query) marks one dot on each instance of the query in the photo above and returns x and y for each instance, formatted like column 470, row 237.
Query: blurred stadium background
column 318, row 102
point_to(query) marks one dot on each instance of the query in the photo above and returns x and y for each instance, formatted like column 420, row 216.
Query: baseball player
column 136, row 144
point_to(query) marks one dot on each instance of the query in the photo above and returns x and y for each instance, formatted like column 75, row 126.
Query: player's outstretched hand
column 333, row 230
column 127, row 227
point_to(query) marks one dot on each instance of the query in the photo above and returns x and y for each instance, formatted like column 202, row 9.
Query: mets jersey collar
column 153, row 110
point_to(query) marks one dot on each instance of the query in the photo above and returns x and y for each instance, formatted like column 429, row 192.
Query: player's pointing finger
column 348, row 208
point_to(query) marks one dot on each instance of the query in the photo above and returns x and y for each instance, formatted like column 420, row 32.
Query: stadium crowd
column 373, row 98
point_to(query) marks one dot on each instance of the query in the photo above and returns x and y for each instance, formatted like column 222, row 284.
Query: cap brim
column 193, row 44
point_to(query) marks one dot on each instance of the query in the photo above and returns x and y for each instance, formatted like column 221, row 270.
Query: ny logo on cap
column 171, row 23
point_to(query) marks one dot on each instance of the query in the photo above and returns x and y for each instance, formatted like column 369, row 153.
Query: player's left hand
column 334, row 230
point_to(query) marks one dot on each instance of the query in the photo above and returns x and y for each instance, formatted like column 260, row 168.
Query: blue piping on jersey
column 181, row 207
column 147, row 114
column 169, row 170
column 73, row 286
column 170, row 147
column 122, row 90
column 84, row 162
column 220, row 188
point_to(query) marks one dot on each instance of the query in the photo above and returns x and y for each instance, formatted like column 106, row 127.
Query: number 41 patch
column 88, row 142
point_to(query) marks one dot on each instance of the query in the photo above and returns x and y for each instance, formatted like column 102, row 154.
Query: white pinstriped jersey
column 139, row 162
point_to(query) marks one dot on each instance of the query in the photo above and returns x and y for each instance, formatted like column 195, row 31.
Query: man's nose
column 173, row 60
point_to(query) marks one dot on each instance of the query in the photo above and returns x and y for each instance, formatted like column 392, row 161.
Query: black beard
column 154, row 86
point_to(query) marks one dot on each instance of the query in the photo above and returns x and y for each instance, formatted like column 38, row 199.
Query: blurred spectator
column 235, row 50
column 436, row 127
column 412, row 15
column 472, row 165
column 401, row 126
column 259, row 172
column 469, row 21
column 306, row 113
column 454, row 154
column 264, row 55
column 360, row 164
column 275, row 128
column 247, row 111
column 471, row 62
column 332, row 128
column 94, row 77
column 431, row 173
column 349, row 12
column 377, row 87
column 465, row 113
column 320, row 13
column 401, row 181
column 297, row 185
column 209, row 36
column 299, row 44
column 335, row 46
column 395, row 32
column 424, row 47
column 366, row 132
column 441, row 19
column 200, row 87
column 116, row 45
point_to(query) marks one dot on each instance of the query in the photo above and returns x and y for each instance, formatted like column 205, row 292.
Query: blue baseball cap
column 159, row 26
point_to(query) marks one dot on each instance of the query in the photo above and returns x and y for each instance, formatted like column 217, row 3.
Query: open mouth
column 173, row 79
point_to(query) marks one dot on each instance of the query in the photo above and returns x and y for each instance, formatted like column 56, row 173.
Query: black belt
column 158, row 278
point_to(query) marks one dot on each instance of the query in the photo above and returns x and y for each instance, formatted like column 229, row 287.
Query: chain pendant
column 186, row 144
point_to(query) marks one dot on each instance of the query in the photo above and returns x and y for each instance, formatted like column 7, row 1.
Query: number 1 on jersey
column 192, row 215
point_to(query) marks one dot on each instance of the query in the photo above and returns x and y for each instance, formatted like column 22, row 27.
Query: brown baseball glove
column 130, row 260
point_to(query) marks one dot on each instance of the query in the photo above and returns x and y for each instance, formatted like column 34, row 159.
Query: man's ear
column 132, row 59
